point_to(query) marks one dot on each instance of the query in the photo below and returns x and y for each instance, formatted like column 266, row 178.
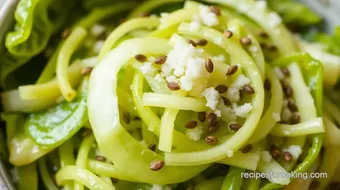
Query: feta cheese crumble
column 294, row 150
column 212, row 96
column 98, row 46
column 241, row 81
column 208, row 18
column 274, row 19
column 147, row 68
column 195, row 133
column 186, row 66
column 97, row 30
column 243, row 110
column 233, row 94
column 230, row 153
column 219, row 58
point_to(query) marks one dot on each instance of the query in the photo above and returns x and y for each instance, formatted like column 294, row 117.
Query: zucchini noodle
column 172, row 94
column 82, row 176
column 70, row 45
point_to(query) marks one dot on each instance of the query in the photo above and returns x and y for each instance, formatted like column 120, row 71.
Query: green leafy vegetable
column 294, row 13
column 55, row 125
column 330, row 43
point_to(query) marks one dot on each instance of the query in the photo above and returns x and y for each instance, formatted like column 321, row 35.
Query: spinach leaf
column 56, row 124
column 294, row 13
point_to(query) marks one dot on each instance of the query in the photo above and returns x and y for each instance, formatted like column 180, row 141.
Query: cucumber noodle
column 174, row 98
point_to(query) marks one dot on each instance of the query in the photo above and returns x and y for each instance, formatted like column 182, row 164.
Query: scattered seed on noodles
column 100, row 158
column 156, row 165
column 201, row 116
column 211, row 140
column 235, row 126
column 221, row 88
column 245, row 41
column 160, row 60
column 248, row 89
column 140, row 58
column 287, row 156
column 209, row 65
column 173, row 86
column 152, row 147
column 191, row 124
column 247, row 148
column 202, row 42
column 126, row 117
column 212, row 118
column 275, row 151
column 263, row 34
column 232, row 69
column 226, row 101
column 215, row 10
column 292, row 106
column 228, row 33
column 267, row 85
column 192, row 42
column 86, row 70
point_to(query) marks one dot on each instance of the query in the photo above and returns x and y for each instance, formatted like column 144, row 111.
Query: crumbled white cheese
column 163, row 17
column 194, row 26
column 265, row 156
column 147, row 68
column 294, row 150
column 158, row 78
column 217, row 113
column 172, row 79
column 253, row 48
column 186, row 65
column 186, row 82
column 273, row 19
column 276, row 116
column 218, row 40
column 98, row 46
column 244, row 7
column 208, row 18
column 233, row 94
column 219, row 58
column 241, row 81
column 195, row 133
column 97, row 30
column 243, row 110
column 227, row 114
column 230, row 153
column 261, row 5
column 212, row 96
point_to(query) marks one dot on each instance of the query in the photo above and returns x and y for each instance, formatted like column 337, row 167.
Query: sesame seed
column 212, row 118
column 191, row 124
column 221, row 88
column 263, row 34
column 294, row 119
column 248, row 89
column 228, row 34
column 201, row 116
column 121, row 20
column 267, row 85
column 152, row 147
column 287, row 156
column 226, row 101
column 211, row 140
column 140, row 58
column 191, row 186
column 292, row 106
column 213, row 127
column 235, row 126
column 114, row 180
column 156, row 165
column 86, row 70
column 144, row 14
column 66, row 33
column 100, row 158
column 192, row 42
column 275, row 151
column 263, row 45
column 160, row 60
column 247, row 148
column 245, row 41
column 126, row 117
column 202, row 42
column 232, row 69
column 285, row 71
column 271, row 47
column 173, row 86
column 215, row 10
column 209, row 65
column 288, row 91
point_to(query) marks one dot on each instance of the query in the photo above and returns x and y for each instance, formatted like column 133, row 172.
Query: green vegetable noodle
column 170, row 94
